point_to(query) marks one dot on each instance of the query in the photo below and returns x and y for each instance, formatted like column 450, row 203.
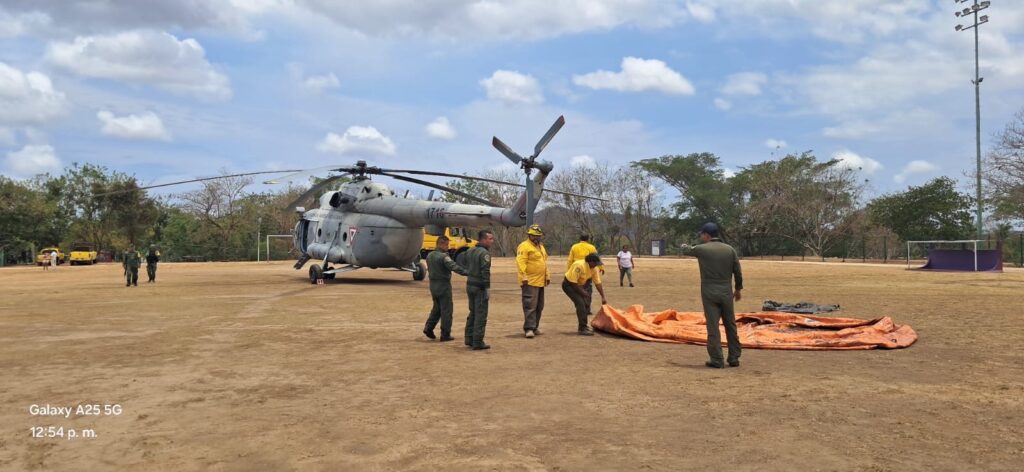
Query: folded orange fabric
column 758, row 330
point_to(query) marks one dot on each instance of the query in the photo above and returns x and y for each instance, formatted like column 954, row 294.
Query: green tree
column 933, row 211
column 705, row 193
column 27, row 214
column 1004, row 172
column 799, row 199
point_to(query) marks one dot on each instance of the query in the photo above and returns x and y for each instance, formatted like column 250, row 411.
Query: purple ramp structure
column 988, row 260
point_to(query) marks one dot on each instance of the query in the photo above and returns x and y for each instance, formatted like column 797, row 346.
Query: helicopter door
column 301, row 232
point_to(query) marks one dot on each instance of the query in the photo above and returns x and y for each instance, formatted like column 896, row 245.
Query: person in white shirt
column 625, row 265
column 53, row 259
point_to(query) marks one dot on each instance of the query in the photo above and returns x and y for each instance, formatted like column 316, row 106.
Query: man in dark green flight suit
column 151, row 260
column 440, row 267
column 719, row 264
column 131, row 260
column 478, row 286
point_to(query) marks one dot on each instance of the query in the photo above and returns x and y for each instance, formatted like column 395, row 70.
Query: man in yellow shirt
column 579, row 273
column 579, row 251
column 533, row 276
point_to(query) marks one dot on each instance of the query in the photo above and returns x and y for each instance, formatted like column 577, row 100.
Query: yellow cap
column 535, row 231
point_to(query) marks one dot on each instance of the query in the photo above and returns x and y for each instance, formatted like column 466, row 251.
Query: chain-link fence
column 875, row 248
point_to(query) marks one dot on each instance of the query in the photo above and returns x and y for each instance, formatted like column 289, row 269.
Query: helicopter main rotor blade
column 507, row 151
column 543, row 143
column 304, row 174
column 204, row 179
column 482, row 179
column 313, row 190
column 442, row 188
column 455, row 176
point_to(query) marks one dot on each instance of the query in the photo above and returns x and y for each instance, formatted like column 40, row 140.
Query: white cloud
column 144, row 126
column 512, row 87
column 701, row 12
column 7, row 136
column 638, row 75
column 28, row 98
column 728, row 173
column 915, row 168
column 744, row 83
column 160, row 59
column 850, row 160
column 491, row 20
column 847, row 21
column 321, row 83
column 13, row 25
column 902, row 122
column 356, row 140
column 441, row 128
column 722, row 104
column 32, row 160
column 774, row 144
column 582, row 161
column 77, row 17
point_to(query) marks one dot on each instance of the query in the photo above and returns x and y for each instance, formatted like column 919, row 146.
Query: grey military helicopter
column 364, row 224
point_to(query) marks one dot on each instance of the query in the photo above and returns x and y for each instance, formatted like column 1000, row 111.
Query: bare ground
column 246, row 366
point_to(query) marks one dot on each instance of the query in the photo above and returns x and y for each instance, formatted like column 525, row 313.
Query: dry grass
column 245, row 366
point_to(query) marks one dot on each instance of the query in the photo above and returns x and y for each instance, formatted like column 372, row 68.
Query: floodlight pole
column 974, row 10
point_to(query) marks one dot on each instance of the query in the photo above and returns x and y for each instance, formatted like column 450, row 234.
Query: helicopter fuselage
column 364, row 224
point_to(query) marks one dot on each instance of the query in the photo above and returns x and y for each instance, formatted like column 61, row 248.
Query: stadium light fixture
column 974, row 9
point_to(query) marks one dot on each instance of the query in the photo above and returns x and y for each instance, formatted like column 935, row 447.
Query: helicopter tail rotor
column 528, row 164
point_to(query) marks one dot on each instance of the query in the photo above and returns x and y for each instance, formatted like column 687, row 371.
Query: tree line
column 796, row 204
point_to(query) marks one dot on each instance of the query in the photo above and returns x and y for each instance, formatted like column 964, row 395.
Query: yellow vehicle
column 44, row 256
column 458, row 242
column 82, row 254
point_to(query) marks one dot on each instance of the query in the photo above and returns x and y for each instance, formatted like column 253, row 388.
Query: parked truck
column 82, row 253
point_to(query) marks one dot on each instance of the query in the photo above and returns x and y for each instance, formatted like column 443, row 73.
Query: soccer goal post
column 973, row 242
column 278, row 236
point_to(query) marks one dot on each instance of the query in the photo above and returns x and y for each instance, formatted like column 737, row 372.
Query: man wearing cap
column 719, row 265
column 533, row 276
column 579, row 251
column 440, row 267
column 580, row 272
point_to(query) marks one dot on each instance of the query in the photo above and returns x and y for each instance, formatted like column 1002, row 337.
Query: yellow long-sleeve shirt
column 532, row 260
column 579, row 251
column 580, row 272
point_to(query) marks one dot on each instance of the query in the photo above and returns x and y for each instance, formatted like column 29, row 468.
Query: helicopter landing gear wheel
column 316, row 274
column 421, row 271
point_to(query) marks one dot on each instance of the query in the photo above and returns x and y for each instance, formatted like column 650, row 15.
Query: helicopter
column 364, row 224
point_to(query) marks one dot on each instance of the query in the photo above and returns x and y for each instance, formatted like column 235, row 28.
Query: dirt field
column 246, row 366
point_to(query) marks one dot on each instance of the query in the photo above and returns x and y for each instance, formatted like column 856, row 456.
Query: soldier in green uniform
column 151, row 259
column 440, row 267
column 478, row 285
column 719, row 264
column 131, row 260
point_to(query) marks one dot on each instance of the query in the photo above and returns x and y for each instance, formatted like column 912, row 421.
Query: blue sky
column 172, row 89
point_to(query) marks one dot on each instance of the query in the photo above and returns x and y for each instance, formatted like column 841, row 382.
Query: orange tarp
column 758, row 330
